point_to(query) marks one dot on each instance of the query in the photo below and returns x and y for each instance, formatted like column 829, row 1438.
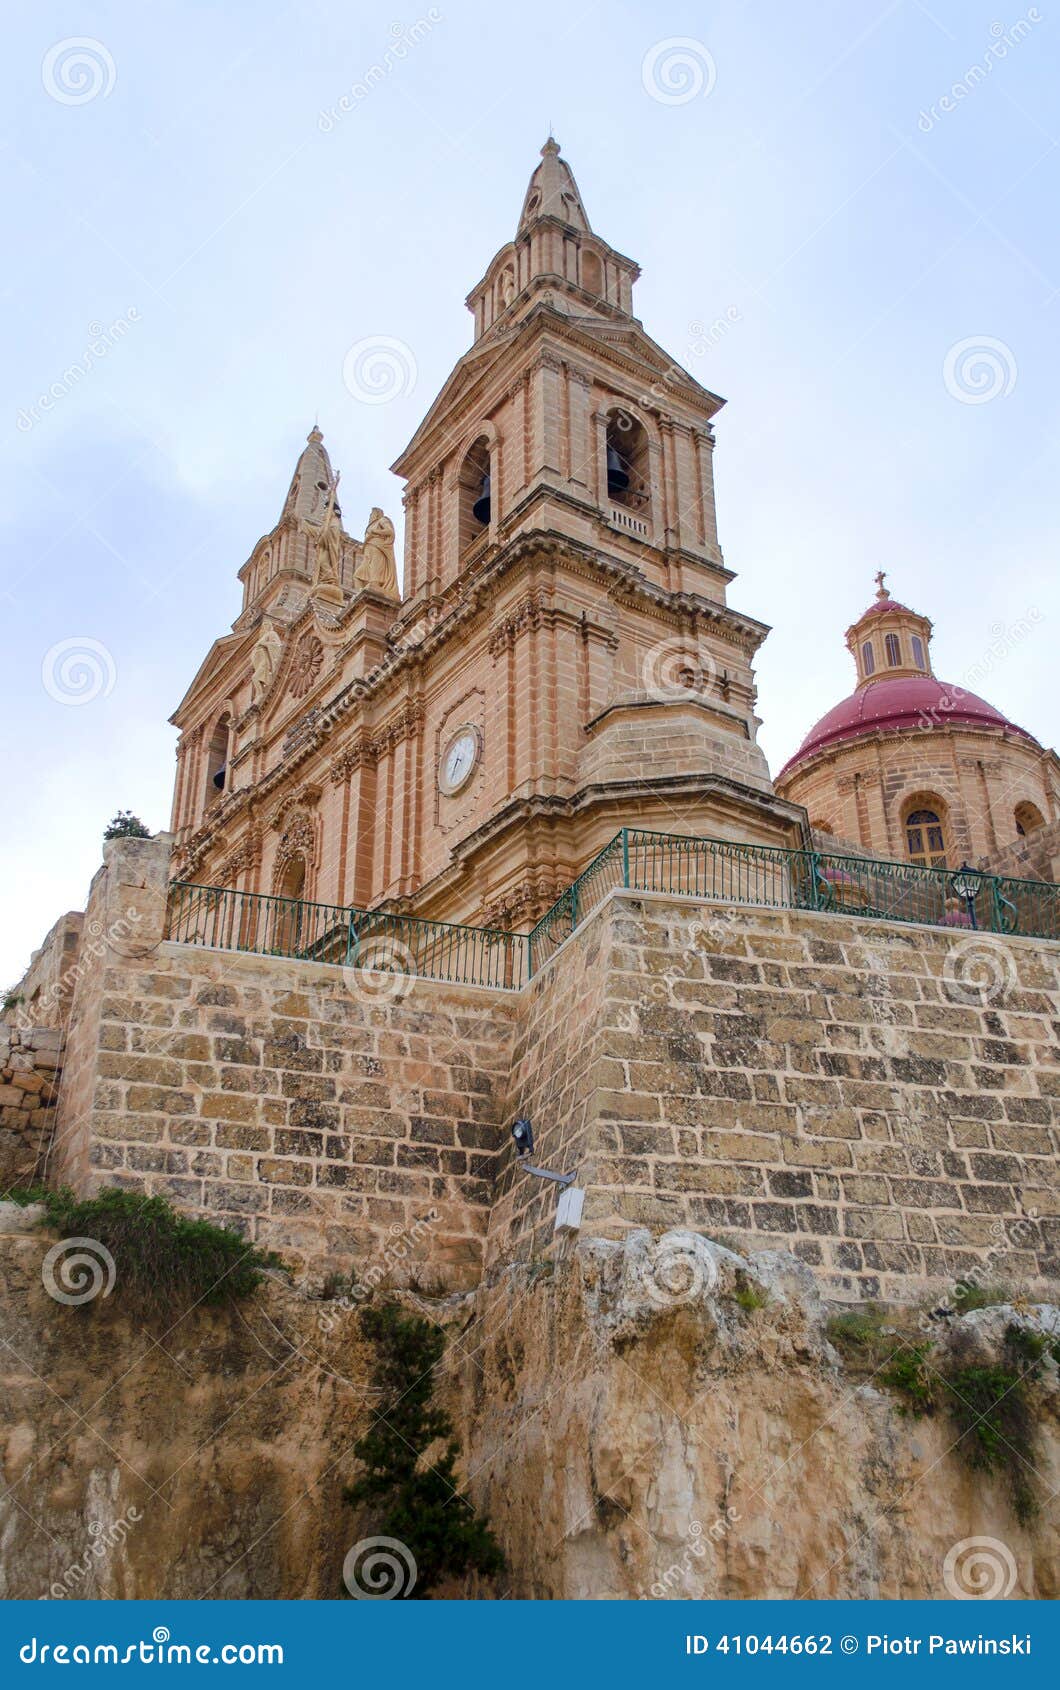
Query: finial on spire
column 551, row 145
column 882, row 592
column 314, row 437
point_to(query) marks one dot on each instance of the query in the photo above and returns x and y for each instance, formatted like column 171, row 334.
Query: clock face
column 458, row 760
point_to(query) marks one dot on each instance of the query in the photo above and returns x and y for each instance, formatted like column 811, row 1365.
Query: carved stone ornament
column 306, row 666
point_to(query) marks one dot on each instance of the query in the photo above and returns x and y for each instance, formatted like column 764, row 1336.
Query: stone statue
column 376, row 567
column 264, row 659
column 329, row 543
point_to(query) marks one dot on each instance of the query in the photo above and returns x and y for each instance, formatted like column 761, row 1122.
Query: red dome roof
column 910, row 702
column 880, row 605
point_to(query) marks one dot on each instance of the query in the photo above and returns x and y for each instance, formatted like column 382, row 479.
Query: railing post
column 529, row 956
column 574, row 906
column 625, row 858
column 815, row 889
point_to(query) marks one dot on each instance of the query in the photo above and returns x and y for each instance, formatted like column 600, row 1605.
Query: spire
column 313, row 476
column 553, row 192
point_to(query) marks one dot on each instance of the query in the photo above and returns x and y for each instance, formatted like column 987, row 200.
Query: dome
column 902, row 702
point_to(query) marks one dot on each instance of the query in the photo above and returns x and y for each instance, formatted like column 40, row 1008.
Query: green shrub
column 24, row 1195
column 750, row 1297
column 126, row 826
column 165, row 1263
column 420, row 1506
column 1025, row 1346
column 990, row 1408
column 910, row 1373
column 856, row 1329
column 967, row 1295
column 988, row 1404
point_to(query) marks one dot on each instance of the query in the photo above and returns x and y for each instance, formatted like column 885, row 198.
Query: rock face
column 650, row 1417
column 663, row 1419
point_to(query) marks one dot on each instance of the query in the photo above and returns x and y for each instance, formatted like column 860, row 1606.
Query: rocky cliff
column 654, row 1418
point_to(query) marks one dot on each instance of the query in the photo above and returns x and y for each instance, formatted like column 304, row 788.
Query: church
column 563, row 660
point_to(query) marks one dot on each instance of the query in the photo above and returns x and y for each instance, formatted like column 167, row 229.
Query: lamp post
column 966, row 883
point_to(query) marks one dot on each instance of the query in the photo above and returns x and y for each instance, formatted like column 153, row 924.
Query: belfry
column 561, row 660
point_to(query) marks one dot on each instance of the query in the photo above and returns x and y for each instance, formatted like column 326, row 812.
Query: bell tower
column 563, row 483
column 578, row 419
column 562, row 662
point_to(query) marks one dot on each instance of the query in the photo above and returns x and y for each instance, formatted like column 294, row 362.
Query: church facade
column 562, row 660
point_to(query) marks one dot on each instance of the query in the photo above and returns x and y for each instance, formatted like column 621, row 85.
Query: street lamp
column 966, row 883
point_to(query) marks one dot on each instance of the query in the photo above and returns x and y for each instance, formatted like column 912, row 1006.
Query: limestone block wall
column 882, row 1100
column 335, row 1116
column 43, row 994
column 321, row 1120
column 30, row 1063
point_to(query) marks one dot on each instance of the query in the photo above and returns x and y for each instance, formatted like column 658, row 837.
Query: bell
column 480, row 510
column 617, row 473
column 219, row 778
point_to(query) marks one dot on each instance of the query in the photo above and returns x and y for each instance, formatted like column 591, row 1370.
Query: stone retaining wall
column 883, row 1100
column 30, row 1061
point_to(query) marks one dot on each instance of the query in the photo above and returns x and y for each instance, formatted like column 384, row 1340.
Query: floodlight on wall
column 523, row 1134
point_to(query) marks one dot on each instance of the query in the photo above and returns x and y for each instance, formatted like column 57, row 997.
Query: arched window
column 1028, row 817
column 217, row 758
column 918, row 652
column 925, row 841
column 628, row 472
column 894, row 650
column 474, row 491
column 868, row 658
column 592, row 274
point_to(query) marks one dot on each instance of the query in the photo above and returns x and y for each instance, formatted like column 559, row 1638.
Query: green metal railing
column 772, row 878
column 352, row 938
column 762, row 875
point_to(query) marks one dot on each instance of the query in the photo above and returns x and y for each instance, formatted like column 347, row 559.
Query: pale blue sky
column 803, row 193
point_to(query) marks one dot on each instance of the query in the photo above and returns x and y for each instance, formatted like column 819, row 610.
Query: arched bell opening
column 628, row 469
column 475, row 494
column 217, row 758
